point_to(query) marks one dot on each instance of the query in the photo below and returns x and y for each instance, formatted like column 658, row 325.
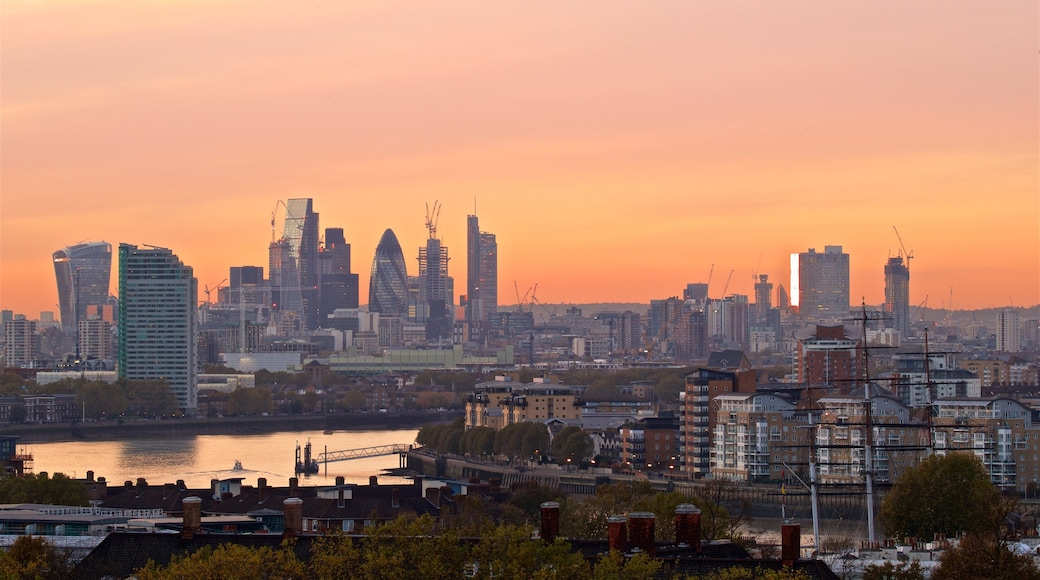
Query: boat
column 238, row 466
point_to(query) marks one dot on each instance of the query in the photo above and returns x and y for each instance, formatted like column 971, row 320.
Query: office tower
column 339, row 286
column 388, row 286
column 248, row 291
column 728, row 320
column 158, row 300
column 897, row 295
column 285, row 289
column 301, row 231
column 83, row 272
column 763, row 298
column 820, row 283
column 481, row 272
column 436, row 289
column 691, row 336
column 21, row 342
column 696, row 296
column 663, row 315
column 1009, row 333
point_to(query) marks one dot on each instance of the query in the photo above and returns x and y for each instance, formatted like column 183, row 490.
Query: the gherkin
column 388, row 287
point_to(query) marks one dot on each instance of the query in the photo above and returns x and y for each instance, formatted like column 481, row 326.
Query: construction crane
column 902, row 246
column 707, row 287
column 921, row 308
column 431, row 218
column 726, row 287
column 207, row 290
column 274, row 213
column 522, row 300
column 754, row 273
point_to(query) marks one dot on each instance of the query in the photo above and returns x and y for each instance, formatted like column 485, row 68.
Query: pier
column 399, row 449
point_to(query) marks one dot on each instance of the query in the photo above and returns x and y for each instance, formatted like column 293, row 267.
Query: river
column 201, row 458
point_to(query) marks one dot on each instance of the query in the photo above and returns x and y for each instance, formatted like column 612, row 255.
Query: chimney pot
column 688, row 526
column 790, row 542
column 372, row 480
column 617, row 533
column 90, row 476
column 641, row 531
column 550, row 521
column 192, row 514
column 292, row 507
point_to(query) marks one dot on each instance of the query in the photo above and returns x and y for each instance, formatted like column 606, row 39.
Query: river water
column 201, row 458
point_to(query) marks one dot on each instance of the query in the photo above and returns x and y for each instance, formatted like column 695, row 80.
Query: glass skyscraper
column 83, row 272
column 481, row 272
column 388, row 286
column 158, row 299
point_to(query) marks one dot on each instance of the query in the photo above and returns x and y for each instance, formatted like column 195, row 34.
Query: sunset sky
column 617, row 149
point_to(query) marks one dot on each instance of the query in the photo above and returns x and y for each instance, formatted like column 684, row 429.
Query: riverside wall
column 114, row 430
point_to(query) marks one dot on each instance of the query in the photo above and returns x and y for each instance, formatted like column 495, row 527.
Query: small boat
column 238, row 466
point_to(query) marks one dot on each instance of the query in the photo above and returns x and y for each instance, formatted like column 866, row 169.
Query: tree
column 39, row 488
column 890, row 571
column 478, row 441
column 35, row 558
column 981, row 555
column 943, row 493
column 571, row 443
column 150, row 398
column 229, row 561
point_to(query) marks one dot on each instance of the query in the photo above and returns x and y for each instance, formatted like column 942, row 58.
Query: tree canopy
column 943, row 493
column 41, row 488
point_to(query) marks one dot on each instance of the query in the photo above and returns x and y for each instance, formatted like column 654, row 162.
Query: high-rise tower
column 158, row 299
column 481, row 272
column 897, row 294
column 83, row 272
column 388, row 286
column 1009, row 333
column 436, row 287
column 820, row 282
column 339, row 286
column 301, row 232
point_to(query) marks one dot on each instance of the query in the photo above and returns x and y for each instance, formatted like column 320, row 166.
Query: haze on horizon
column 616, row 150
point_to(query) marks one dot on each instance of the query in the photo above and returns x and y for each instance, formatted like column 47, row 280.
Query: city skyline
column 617, row 154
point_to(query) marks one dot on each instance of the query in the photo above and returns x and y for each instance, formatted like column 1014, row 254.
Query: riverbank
column 113, row 430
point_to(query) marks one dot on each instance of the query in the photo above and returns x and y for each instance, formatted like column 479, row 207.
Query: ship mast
column 868, row 448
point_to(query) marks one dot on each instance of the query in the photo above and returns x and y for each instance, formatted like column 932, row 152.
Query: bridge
column 399, row 449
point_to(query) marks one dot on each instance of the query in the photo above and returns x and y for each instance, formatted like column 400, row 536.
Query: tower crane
column 432, row 215
column 726, row 287
column 207, row 290
column 902, row 246
column 754, row 273
column 707, row 287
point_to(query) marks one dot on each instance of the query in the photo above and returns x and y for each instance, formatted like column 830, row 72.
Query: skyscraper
column 481, row 272
column 158, row 300
column 763, row 298
column 339, row 286
column 897, row 294
column 436, row 289
column 820, row 282
column 83, row 272
column 388, row 286
column 1009, row 333
column 301, row 231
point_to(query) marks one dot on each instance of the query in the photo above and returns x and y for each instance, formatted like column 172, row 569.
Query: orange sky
column 617, row 149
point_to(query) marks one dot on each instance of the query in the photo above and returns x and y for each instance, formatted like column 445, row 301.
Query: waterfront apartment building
column 501, row 403
column 650, row 444
column 989, row 372
column 728, row 372
column 757, row 436
column 158, row 300
column 21, row 342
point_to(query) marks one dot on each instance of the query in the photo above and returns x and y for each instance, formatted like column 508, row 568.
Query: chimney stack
column 292, row 507
column 90, row 476
column 294, row 485
column 373, row 480
column 688, row 526
column 790, row 542
column 395, row 500
column 192, row 514
column 433, row 495
column 617, row 533
column 641, row 531
column 550, row 521
column 261, row 487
